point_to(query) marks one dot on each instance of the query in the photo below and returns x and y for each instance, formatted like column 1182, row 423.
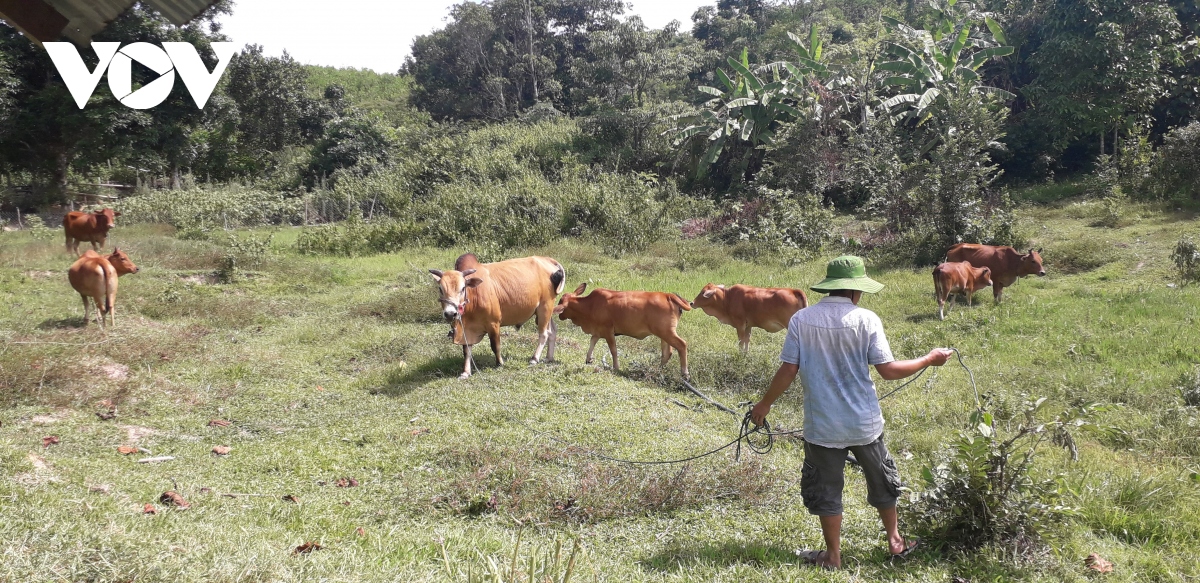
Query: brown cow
column 95, row 276
column 91, row 227
column 607, row 314
column 745, row 307
column 959, row 277
column 478, row 298
column 1007, row 264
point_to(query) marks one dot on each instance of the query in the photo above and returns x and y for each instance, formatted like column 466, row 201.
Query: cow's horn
column 468, row 272
column 436, row 272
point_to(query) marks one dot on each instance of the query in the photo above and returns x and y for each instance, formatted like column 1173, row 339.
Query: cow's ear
column 116, row 213
column 708, row 293
column 469, row 272
column 558, row 309
column 1039, row 250
column 436, row 273
column 721, row 286
column 579, row 290
column 474, row 282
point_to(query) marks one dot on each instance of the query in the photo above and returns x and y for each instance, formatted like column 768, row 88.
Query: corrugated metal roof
column 88, row 17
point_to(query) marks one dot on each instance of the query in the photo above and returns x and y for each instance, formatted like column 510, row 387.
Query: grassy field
column 335, row 369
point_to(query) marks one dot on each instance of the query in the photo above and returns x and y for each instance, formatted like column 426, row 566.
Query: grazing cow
column 478, row 298
column 95, row 276
column 1007, row 264
column 91, row 227
column 952, row 278
column 607, row 314
column 745, row 307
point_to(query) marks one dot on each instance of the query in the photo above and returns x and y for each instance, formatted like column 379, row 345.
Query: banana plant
column 747, row 110
column 945, row 59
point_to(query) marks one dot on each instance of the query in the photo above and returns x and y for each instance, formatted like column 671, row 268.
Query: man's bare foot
column 900, row 548
column 820, row 559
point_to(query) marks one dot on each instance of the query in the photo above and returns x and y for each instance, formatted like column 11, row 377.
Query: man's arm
column 898, row 369
column 783, row 379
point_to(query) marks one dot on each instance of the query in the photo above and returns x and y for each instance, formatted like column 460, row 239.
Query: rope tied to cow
column 758, row 439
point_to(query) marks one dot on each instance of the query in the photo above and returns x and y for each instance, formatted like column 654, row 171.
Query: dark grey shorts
column 822, row 479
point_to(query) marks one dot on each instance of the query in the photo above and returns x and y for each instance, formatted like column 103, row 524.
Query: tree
column 630, row 63
column 358, row 143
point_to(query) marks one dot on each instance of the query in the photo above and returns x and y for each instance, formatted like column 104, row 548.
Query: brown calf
column 607, row 314
column 1007, row 264
column 91, row 227
column 959, row 277
column 478, row 298
column 95, row 276
column 745, row 307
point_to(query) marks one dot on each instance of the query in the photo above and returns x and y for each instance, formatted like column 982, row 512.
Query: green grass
column 339, row 368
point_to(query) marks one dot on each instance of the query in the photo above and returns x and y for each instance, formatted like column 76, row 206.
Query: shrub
column 1179, row 159
column 982, row 490
column 38, row 228
column 1186, row 258
column 776, row 223
column 206, row 209
column 354, row 237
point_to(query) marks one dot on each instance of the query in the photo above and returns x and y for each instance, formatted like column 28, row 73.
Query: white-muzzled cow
column 478, row 298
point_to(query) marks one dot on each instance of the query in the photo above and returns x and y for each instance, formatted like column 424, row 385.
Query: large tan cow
column 745, row 307
column 478, row 298
column 607, row 314
column 95, row 276
column 91, row 227
column 1007, row 264
column 958, row 277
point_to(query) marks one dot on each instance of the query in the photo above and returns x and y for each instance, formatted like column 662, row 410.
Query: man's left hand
column 759, row 413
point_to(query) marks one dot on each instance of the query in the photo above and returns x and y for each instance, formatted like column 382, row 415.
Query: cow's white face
column 452, row 289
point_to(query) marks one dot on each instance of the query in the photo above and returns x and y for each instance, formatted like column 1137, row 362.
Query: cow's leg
column 553, row 340
column 997, row 290
column 953, row 298
column 744, row 339
column 466, row 363
column 588, row 360
column 69, row 239
column 86, row 306
column 94, row 247
column 681, row 346
column 666, row 352
column 612, row 348
column 544, row 323
column 494, row 337
column 969, row 295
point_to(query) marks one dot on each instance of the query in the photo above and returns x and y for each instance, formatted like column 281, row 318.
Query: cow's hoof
column 533, row 361
column 464, row 376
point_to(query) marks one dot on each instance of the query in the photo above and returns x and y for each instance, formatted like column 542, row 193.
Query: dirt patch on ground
column 43, row 274
column 52, row 418
column 133, row 432
column 115, row 371
column 199, row 279
column 41, row 474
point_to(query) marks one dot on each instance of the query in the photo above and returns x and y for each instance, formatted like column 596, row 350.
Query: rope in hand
column 747, row 433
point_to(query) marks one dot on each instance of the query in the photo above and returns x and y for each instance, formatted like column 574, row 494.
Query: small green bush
column 1179, row 157
column 1189, row 387
column 982, row 490
column 1186, row 258
column 776, row 224
column 38, row 228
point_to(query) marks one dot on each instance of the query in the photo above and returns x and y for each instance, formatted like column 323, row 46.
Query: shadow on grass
column 401, row 380
column 680, row 558
column 62, row 323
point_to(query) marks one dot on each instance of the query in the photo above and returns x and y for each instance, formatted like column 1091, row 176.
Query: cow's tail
column 558, row 279
column 680, row 303
column 937, row 283
column 107, row 296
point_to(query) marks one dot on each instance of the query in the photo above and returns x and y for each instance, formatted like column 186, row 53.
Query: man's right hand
column 759, row 413
column 939, row 356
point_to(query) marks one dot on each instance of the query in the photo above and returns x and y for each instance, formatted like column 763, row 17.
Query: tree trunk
column 1101, row 142
column 529, row 25
column 62, row 165
column 176, row 179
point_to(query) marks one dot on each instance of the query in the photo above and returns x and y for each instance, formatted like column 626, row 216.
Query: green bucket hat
column 847, row 272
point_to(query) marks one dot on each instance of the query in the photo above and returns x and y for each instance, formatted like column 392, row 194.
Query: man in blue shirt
column 830, row 346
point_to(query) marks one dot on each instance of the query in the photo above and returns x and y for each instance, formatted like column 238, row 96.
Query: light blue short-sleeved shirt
column 834, row 343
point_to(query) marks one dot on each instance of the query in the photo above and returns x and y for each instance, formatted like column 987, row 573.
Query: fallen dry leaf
column 149, row 509
column 320, row 388
column 49, row 440
column 420, row 430
column 222, row 450
column 106, row 415
column 346, row 483
column 360, row 532
column 219, row 423
column 205, row 490
column 105, row 404
column 291, row 498
column 172, row 498
column 307, row 547
column 99, row 489
column 127, row 449
column 1098, row 564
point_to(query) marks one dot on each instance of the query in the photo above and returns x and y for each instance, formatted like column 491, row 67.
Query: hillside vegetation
column 333, row 369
